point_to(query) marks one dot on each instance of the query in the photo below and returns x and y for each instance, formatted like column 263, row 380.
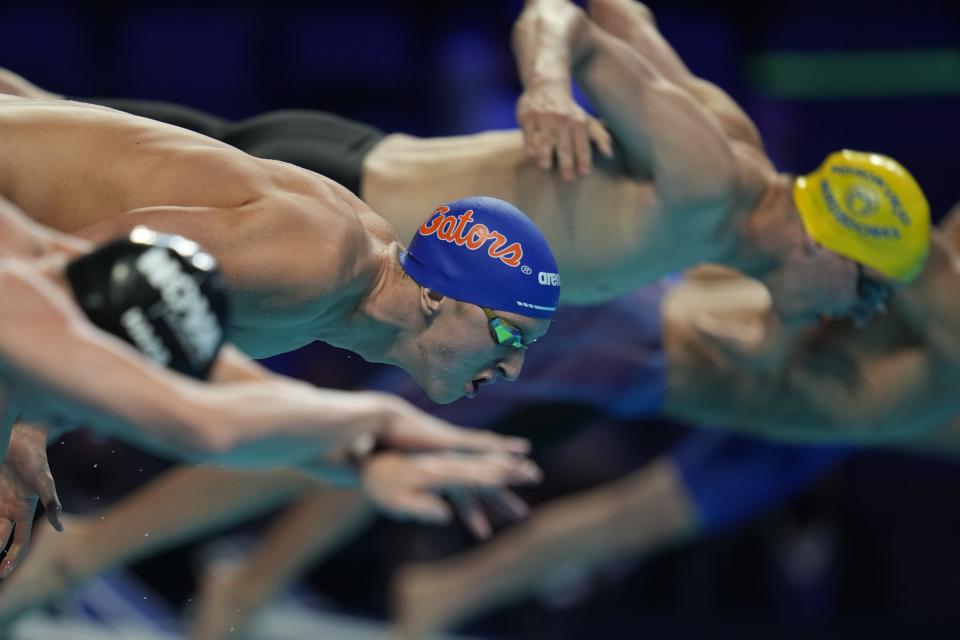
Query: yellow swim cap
column 867, row 207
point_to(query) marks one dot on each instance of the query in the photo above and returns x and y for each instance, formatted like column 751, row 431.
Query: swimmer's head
column 867, row 232
column 489, row 286
column 161, row 293
column 868, row 208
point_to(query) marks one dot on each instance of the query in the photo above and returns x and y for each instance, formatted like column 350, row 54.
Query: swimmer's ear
column 430, row 301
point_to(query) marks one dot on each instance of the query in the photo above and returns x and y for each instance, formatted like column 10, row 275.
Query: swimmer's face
column 814, row 283
column 457, row 353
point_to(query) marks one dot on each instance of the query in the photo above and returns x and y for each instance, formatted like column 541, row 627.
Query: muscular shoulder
column 317, row 231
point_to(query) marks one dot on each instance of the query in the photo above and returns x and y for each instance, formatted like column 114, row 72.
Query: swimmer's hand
column 410, row 486
column 25, row 476
column 407, row 428
column 555, row 125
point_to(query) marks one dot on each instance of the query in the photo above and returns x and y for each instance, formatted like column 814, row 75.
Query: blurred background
column 870, row 548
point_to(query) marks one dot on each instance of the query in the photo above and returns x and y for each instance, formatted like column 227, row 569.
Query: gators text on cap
column 485, row 251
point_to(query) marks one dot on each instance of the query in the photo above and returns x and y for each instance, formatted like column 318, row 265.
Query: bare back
column 71, row 165
column 298, row 249
column 608, row 231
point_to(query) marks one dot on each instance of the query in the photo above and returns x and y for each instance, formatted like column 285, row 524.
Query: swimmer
column 304, row 258
column 681, row 178
column 616, row 359
column 692, row 490
column 71, row 321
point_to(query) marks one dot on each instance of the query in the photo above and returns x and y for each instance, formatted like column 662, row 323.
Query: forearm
column 117, row 394
column 285, row 422
column 636, row 516
column 178, row 505
column 58, row 365
column 318, row 525
column 233, row 366
column 543, row 38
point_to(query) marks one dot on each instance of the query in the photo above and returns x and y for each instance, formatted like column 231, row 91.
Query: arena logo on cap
column 549, row 279
column 461, row 231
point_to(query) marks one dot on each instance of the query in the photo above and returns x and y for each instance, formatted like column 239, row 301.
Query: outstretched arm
column 708, row 482
column 45, row 343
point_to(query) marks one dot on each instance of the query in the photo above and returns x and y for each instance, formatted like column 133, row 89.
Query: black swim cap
column 159, row 292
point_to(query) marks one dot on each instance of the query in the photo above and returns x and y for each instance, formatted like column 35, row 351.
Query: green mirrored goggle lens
column 503, row 334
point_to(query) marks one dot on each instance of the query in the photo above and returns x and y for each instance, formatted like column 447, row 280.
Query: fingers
column 47, row 491
column 6, row 528
column 530, row 132
column 468, row 508
column 563, row 146
column 562, row 131
column 581, row 148
column 600, row 136
column 563, row 137
column 19, row 546
column 481, row 440
column 420, row 431
column 543, row 148
column 506, row 503
column 486, row 471
column 424, row 507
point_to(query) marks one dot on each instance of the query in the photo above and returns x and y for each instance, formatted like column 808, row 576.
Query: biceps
column 662, row 128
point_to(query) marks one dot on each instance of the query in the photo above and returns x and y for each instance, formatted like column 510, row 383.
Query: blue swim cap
column 487, row 252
